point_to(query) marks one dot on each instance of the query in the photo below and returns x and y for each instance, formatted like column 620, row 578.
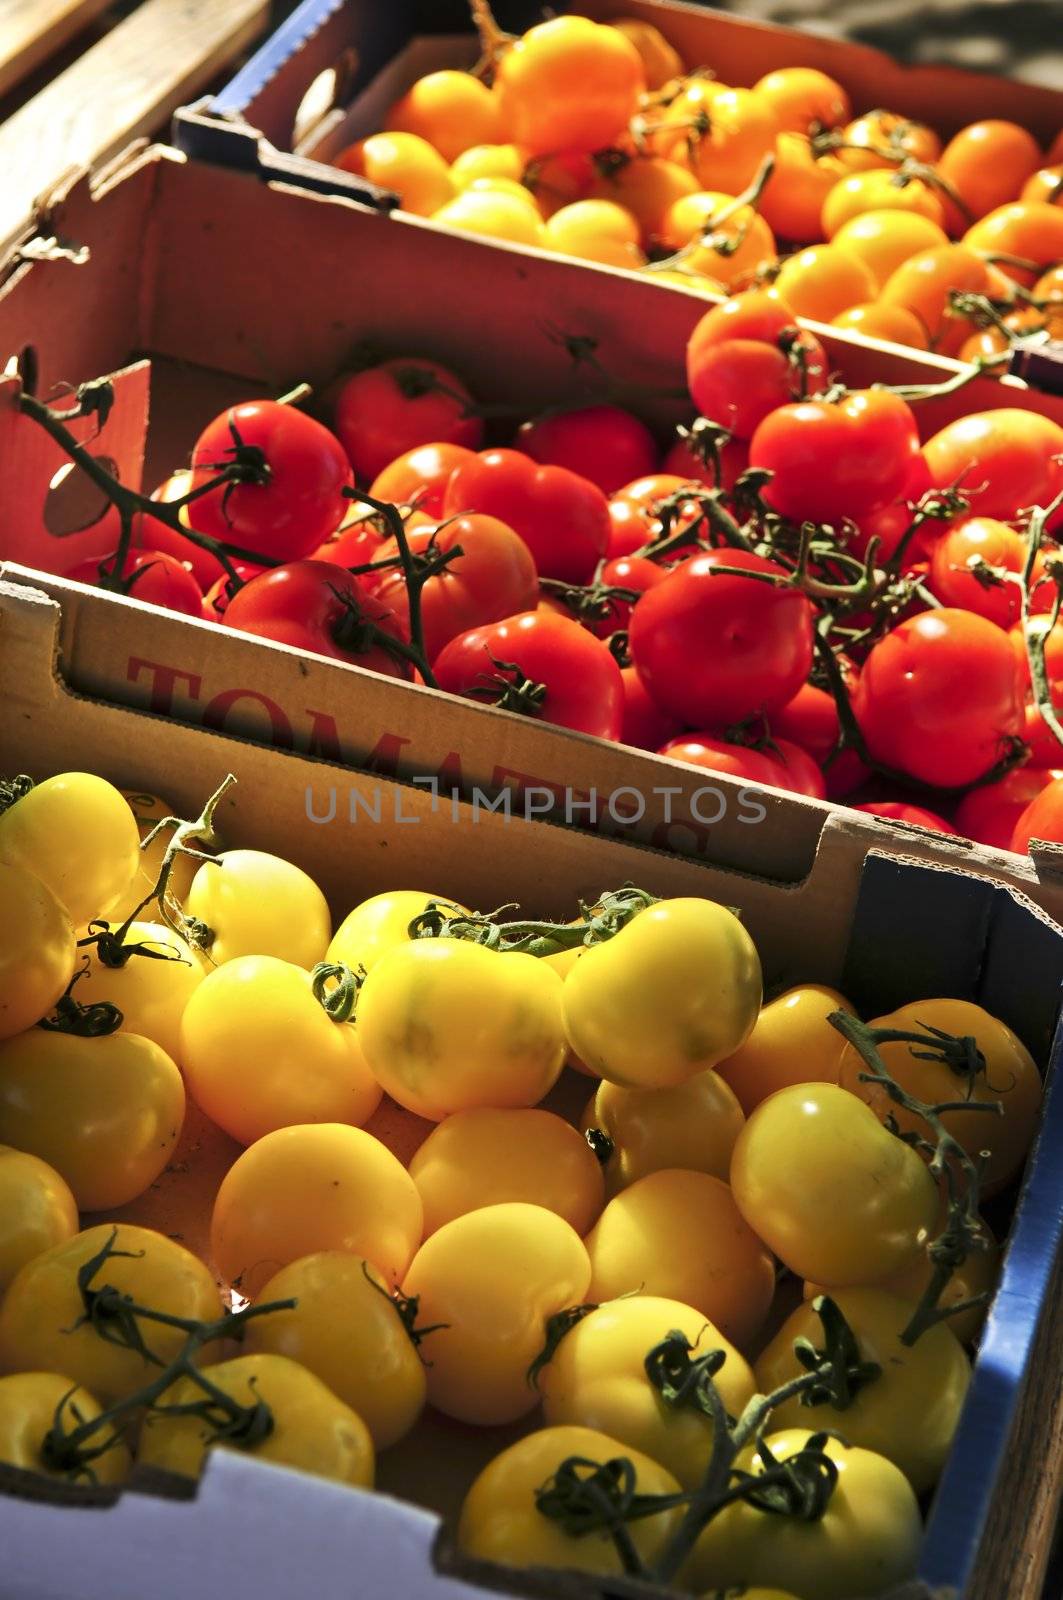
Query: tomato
column 730, row 145
column 909, row 1412
column 312, row 1430
column 986, row 164
column 37, row 1211
column 1003, row 460
column 661, row 61
column 492, row 1278
column 884, row 239
column 645, row 726
column 105, row 1112
column 501, row 1522
column 791, row 1043
column 823, row 280
column 373, row 927
column 810, row 720
column 674, row 992
column 597, row 1379
column 149, row 810
column 881, row 138
column 322, row 1186
column 646, row 187
column 682, row 461
column 990, row 813
column 714, row 647
column 1026, row 230
column 495, row 214
column 746, row 357
column 568, row 84
column 867, row 1538
column 596, row 230
column 347, row 1330
column 151, row 988
column 541, row 664
column 357, row 539
column 493, row 578
column 451, row 110
column 603, row 443
column 447, row 1025
column 42, row 1322
column 482, row 1157
column 875, row 321
column 393, row 409
column 1009, row 1078
column 726, row 245
column 835, row 460
column 902, row 811
column 802, row 179
column 31, row 1403
column 77, row 835
column 151, row 534
column 256, row 904
column 680, row 1235
column 405, row 163
column 1042, row 818
column 310, row 605
column 636, row 573
column 149, row 575
column 562, row 518
column 420, row 476
column 940, row 696
column 835, row 1196
column 802, row 99
column 38, row 952
column 721, row 755
column 693, row 1126
column 633, row 512
column 879, row 190
column 968, row 548
column 300, row 503
column 218, row 597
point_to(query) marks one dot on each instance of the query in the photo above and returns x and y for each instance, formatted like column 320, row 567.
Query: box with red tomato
column 507, row 349
column 880, row 931
column 682, row 143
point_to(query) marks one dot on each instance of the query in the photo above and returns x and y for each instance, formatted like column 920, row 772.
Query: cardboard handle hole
column 73, row 502
column 328, row 89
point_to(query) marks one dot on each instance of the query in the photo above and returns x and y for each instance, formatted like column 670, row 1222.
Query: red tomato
column 734, row 459
column 352, row 546
column 302, row 501
column 802, row 774
column 420, row 476
column 603, row 443
column 713, row 648
column 563, row 519
column 901, row 811
column 1042, row 819
column 149, row 534
column 832, row 460
column 645, row 725
column 626, row 572
column 810, row 719
column 495, row 577
column 974, row 545
column 940, row 696
column 312, row 605
column 541, row 664
column 1004, row 460
column 150, row 575
column 389, row 410
column 739, row 362
column 1045, row 748
column 708, row 750
column 632, row 512
column 891, row 522
column 845, row 774
column 216, row 600
column 990, row 814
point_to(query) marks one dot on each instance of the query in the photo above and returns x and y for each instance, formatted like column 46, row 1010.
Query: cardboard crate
column 172, row 271
column 885, row 929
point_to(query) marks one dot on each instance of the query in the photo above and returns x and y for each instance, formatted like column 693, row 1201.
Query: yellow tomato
column 739, row 245
column 104, row 1112
column 597, row 1379
column 346, row 1328
column 312, row 1430
column 740, row 133
column 876, row 321
column 909, row 1412
column 325, row 1186
column 792, row 1042
column 676, row 991
column 492, row 1278
column 884, row 138
column 792, row 201
column 260, row 1052
column 498, row 216
column 661, row 61
column 37, row 950
column 878, row 190
column 404, row 163
column 256, row 904
column 885, row 239
column 501, row 1522
column 569, row 84
column 372, row 928
column 838, row 1198
column 37, row 1210
column 680, row 1235
column 694, row 1125
column 488, row 161
column 31, row 1405
column 451, row 110
column 645, row 188
column 151, row 988
column 148, row 811
column 42, row 1321
column 1009, row 1079
column 505, row 186
column 867, row 1539
column 922, row 285
column 596, row 230
column 483, row 1157
column 802, row 98
column 446, row 1025
column 76, row 833
column 822, row 281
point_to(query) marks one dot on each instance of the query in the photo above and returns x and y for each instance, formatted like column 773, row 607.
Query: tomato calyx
column 12, row 790
column 602, row 1146
column 557, row 1326
column 407, row 1308
column 338, row 1001
column 593, row 602
column 607, row 917
column 509, row 689
column 584, row 1496
column 94, row 1021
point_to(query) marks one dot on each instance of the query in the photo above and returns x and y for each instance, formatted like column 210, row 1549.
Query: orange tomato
column 695, row 215
column 569, row 84
column 406, row 163
column 801, row 98
column 824, row 280
column 922, row 283
column 1028, row 231
column 596, row 230
column 1045, row 185
column 661, row 61
column 451, row 110
column 646, row 187
column 792, row 202
column 877, row 321
column 883, row 138
column 877, row 190
column 741, row 131
column 885, row 239
column 986, row 164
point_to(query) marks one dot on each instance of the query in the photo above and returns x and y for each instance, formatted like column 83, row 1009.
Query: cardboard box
column 884, row 928
column 173, row 272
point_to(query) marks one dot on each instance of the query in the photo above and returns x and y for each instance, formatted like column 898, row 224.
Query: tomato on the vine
column 313, row 605
column 603, row 443
column 747, row 357
column 419, row 477
column 644, row 726
column 722, row 755
column 1042, row 818
column 391, row 410
column 149, row 575
column 990, row 813
column 151, row 534
column 37, row 1211
column 562, row 518
column 569, row 84
column 836, row 460
column 1003, row 461
column 74, row 832
column 222, row 590
column 38, row 952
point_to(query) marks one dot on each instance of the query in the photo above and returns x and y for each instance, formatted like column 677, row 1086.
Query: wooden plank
column 127, row 84
column 33, row 30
